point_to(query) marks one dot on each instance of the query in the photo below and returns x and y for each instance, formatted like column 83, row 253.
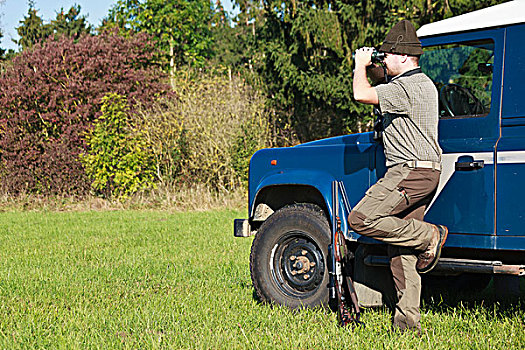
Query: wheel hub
column 301, row 265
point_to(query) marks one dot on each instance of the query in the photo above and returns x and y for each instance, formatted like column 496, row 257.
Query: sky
column 13, row 11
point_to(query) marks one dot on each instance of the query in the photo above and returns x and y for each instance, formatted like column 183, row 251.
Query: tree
column 180, row 27
column 235, row 41
column 306, row 70
column 124, row 16
column 32, row 28
column 70, row 24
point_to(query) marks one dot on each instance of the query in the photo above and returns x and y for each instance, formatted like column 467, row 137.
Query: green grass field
column 153, row 279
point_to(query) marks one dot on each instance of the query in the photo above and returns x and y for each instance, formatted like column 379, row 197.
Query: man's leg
column 407, row 280
column 402, row 188
column 392, row 211
column 408, row 288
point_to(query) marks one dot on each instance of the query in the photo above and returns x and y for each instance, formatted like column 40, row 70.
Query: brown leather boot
column 427, row 260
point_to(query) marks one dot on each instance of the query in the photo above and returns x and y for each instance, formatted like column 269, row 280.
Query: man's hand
column 363, row 57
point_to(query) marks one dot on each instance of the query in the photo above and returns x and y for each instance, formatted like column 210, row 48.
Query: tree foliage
column 296, row 53
column 180, row 27
column 33, row 29
column 70, row 24
column 235, row 40
column 50, row 96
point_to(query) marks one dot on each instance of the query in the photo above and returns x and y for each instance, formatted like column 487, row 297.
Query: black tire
column 288, row 260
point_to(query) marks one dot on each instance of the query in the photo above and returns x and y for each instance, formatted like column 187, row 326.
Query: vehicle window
column 462, row 73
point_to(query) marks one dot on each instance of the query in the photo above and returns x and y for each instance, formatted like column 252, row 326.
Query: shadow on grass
column 502, row 295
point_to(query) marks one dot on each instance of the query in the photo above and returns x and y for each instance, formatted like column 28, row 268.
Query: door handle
column 468, row 166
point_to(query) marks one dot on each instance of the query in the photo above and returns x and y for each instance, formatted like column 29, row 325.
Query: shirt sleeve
column 393, row 98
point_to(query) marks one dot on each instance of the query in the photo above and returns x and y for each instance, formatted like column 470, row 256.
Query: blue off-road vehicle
column 477, row 62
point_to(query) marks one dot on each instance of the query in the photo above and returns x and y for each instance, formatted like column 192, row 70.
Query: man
column 392, row 210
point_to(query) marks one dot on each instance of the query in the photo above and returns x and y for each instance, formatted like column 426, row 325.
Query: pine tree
column 32, row 28
column 70, row 24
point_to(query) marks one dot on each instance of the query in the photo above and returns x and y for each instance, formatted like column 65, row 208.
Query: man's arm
column 363, row 91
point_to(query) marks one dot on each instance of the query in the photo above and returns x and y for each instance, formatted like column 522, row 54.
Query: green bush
column 118, row 160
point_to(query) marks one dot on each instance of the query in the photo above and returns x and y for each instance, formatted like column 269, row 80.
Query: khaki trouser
column 392, row 211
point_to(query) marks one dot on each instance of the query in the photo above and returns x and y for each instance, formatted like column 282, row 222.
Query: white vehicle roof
column 511, row 12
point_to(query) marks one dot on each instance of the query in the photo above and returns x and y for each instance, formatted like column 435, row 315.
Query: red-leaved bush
column 50, row 96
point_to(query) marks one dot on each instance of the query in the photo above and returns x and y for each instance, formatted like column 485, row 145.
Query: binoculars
column 377, row 57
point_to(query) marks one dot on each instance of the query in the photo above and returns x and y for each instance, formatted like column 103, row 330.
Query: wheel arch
column 293, row 186
column 274, row 197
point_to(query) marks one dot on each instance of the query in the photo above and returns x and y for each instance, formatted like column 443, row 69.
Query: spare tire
column 288, row 260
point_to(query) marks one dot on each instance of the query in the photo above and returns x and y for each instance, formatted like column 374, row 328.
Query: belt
column 425, row 164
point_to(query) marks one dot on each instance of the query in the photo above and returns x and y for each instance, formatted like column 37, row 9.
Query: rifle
column 342, row 289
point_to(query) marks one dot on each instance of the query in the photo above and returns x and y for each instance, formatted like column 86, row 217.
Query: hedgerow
column 207, row 132
column 49, row 97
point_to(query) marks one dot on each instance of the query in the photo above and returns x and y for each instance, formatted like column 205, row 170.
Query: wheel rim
column 297, row 264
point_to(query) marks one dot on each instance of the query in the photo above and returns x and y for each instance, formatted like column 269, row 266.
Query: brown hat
column 402, row 39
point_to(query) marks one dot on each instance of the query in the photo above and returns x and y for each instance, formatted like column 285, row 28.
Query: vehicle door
column 466, row 69
column 511, row 147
